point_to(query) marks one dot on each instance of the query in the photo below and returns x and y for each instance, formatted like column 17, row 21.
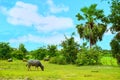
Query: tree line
column 70, row 53
column 92, row 30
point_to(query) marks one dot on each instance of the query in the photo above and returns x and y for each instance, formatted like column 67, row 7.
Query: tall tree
column 5, row 50
column 114, row 19
column 70, row 49
column 52, row 50
column 23, row 49
column 94, row 27
column 115, row 47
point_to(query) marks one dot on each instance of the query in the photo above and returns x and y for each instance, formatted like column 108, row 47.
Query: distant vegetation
column 71, row 52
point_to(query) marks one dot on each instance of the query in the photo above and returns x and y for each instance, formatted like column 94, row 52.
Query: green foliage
column 17, row 54
column 5, row 50
column 28, row 56
column 58, row 60
column 23, row 49
column 52, row 50
column 53, row 60
column 20, row 53
column 39, row 53
column 115, row 46
column 94, row 27
column 89, row 56
column 109, row 60
column 70, row 49
column 61, row 60
column 114, row 17
column 107, row 53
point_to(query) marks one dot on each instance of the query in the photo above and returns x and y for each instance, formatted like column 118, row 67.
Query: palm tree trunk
column 91, row 41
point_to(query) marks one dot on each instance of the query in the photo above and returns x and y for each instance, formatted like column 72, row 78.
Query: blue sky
column 36, row 23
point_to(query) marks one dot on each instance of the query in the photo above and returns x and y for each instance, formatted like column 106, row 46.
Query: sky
column 37, row 23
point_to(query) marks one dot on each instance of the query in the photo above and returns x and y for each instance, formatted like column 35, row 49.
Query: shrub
column 115, row 48
column 5, row 50
column 58, row 60
column 88, row 56
column 70, row 49
column 28, row 57
column 61, row 60
column 39, row 53
column 53, row 60
column 17, row 54
column 52, row 50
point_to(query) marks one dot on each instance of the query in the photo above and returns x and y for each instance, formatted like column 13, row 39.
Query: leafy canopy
column 95, row 24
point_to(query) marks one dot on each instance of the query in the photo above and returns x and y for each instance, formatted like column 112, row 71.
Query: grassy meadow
column 17, row 70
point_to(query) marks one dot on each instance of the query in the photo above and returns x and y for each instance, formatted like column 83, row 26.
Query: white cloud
column 56, row 8
column 27, row 15
column 55, row 39
column 23, row 14
column 51, row 23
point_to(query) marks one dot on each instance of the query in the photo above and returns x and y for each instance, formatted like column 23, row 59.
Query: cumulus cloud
column 23, row 14
column 27, row 15
column 54, row 23
column 56, row 8
column 55, row 39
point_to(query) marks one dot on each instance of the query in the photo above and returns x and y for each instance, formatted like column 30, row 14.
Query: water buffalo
column 24, row 60
column 35, row 63
column 46, row 59
column 10, row 60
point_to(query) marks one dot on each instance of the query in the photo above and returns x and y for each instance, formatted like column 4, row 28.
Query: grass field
column 17, row 70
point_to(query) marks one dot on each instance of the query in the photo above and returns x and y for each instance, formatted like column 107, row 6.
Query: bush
column 115, row 48
column 61, row 60
column 17, row 54
column 53, row 60
column 28, row 57
column 88, row 57
column 5, row 50
column 58, row 60
column 39, row 53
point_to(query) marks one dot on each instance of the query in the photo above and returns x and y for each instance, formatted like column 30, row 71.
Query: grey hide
column 10, row 60
column 46, row 59
column 35, row 63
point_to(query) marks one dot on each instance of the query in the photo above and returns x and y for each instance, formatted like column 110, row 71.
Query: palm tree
column 94, row 27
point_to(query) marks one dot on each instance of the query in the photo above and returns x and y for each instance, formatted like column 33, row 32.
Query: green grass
column 17, row 70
